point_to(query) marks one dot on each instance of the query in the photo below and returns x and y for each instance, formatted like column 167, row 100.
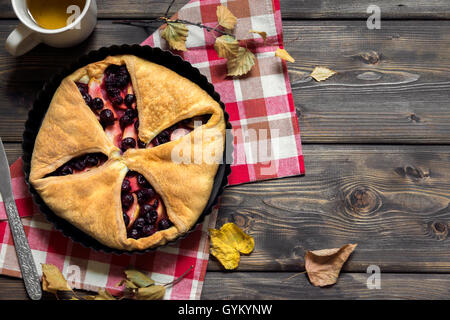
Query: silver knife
column 26, row 262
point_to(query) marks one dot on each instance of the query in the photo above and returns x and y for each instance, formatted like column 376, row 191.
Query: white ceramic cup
column 28, row 34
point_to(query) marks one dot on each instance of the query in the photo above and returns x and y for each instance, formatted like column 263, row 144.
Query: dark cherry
column 151, row 217
column 79, row 164
column 127, row 200
column 107, row 117
column 97, row 104
column 128, row 143
column 134, row 233
column 126, row 187
column 87, row 98
column 112, row 91
column 129, row 100
column 136, row 125
column 131, row 113
column 112, row 69
column 66, row 170
column 142, row 181
column 116, row 101
column 148, row 230
column 156, row 203
column 125, row 121
column 139, row 223
column 164, row 137
column 164, row 224
column 145, row 209
column 83, row 88
column 126, row 219
column 91, row 161
column 141, row 144
column 144, row 194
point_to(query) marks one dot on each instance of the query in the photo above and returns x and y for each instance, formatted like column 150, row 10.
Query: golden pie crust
column 91, row 200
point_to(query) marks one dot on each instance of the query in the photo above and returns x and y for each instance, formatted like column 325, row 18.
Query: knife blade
column 26, row 262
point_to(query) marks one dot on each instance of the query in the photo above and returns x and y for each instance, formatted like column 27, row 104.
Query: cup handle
column 21, row 40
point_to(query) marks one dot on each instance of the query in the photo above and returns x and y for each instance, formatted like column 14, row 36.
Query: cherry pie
column 128, row 151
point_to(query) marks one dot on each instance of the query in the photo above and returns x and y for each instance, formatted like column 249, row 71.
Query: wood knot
column 414, row 118
column 412, row 172
column 439, row 230
column 370, row 57
column 363, row 200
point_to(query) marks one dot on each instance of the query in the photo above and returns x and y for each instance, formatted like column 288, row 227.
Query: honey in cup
column 53, row 14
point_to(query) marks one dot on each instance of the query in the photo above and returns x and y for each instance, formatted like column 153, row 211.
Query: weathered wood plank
column 392, row 87
column 290, row 9
column 391, row 200
column 13, row 151
column 274, row 286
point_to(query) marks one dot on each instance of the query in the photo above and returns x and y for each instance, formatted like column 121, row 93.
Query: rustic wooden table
column 375, row 140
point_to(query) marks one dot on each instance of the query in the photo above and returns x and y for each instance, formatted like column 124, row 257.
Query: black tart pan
column 42, row 102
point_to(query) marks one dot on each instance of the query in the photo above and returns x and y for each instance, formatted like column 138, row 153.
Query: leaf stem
column 179, row 278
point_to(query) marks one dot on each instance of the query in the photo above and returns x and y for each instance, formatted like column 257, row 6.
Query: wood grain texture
column 274, row 286
column 392, row 87
column 394, row 201
column 291, row 9
column 278, row 286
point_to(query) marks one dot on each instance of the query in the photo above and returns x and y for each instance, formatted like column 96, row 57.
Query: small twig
column 293, row 276
column 148, row 23
column 198, row 24
column 179, row 278
column 168, row 9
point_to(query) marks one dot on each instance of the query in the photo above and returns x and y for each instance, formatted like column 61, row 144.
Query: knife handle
column 26, row 262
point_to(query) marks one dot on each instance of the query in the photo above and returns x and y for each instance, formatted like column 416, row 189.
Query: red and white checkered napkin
column 267, row 145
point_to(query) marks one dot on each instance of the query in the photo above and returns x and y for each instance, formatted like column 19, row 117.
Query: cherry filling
column 113, row 101
column 178, row 130
column 143, row 209
column 80, row 164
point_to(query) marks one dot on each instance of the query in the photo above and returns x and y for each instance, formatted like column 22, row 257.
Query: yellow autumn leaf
column 241, row 63
column 228, row 242
column 226, row 46
column 283, row 54
column 261, row 33
column 233, row 235
column 53, row 280
column 322, row 73
column 175, row 34
column 225, row 18
column 227, row 255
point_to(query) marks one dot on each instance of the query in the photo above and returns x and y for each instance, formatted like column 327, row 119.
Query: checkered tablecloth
column 267, row 145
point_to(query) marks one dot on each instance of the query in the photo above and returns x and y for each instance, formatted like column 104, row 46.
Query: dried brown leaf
column 323, row 266
column 226, row 46
column 241, row 63
column 225, row 18
column 283, row 54
column 53, row 280
column 155, row 292
column 322, row 73
column 175, row 34
column 261, row 33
